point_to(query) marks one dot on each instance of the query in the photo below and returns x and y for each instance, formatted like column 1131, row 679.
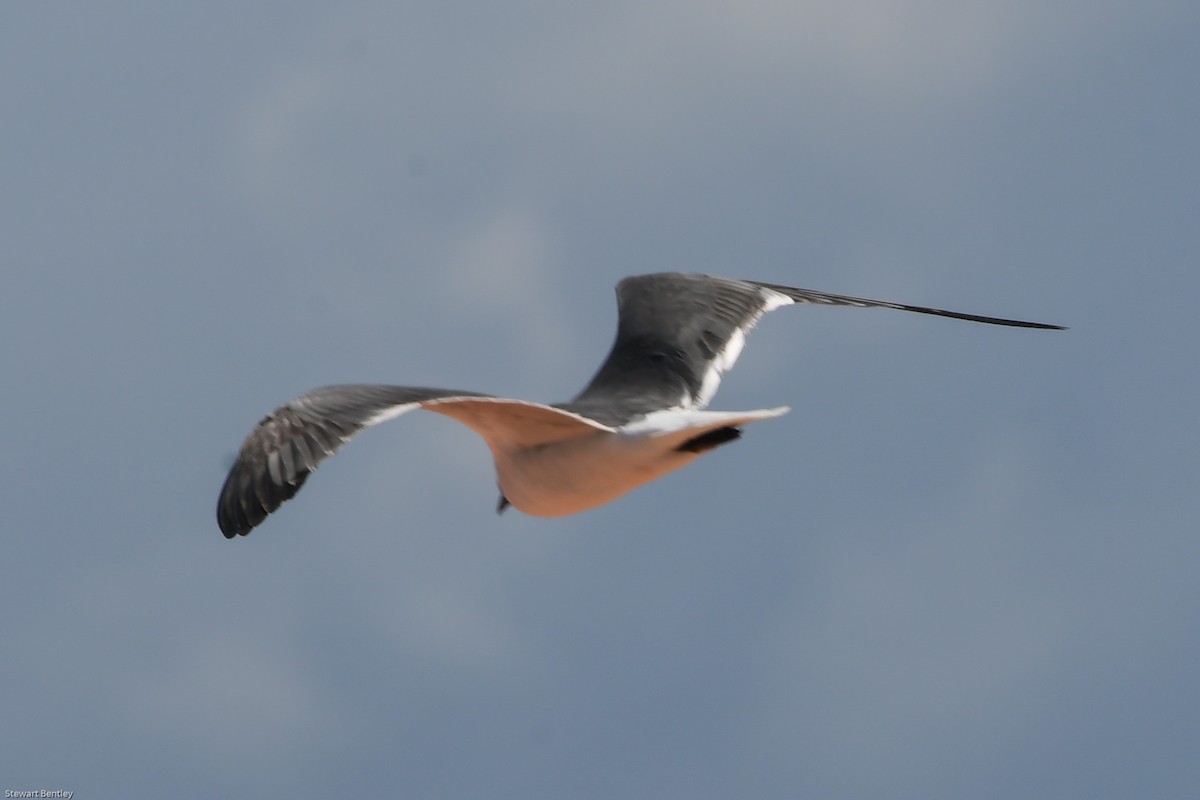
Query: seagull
column 642, row 415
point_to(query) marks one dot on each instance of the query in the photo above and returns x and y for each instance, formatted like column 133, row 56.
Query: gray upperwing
column 288, row 444
column 672, row 328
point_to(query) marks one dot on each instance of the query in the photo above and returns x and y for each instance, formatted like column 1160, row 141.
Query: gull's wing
column 292, row 440
column 678, row 333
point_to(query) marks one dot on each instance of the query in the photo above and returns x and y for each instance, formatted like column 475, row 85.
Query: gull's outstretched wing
column 292, row 440
column 678, row 333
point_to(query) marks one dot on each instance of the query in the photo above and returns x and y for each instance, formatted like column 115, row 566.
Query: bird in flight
column 641, row 416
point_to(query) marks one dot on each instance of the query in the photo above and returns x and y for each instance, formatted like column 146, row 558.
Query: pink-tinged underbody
column 550, row 463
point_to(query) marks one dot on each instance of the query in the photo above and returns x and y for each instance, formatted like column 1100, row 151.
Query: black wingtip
column 232, row 520
column 1043, row 326
column 1011, row 323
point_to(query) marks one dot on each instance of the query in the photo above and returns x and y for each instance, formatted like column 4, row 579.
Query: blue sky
column 963, row 566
